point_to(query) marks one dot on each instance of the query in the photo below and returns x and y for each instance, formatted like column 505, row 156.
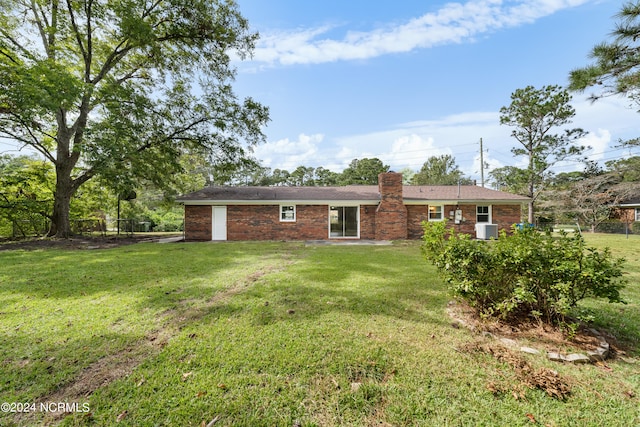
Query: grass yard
column 279, row 334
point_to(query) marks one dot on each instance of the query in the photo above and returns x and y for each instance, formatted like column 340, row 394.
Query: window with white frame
column 435, row 212
column 483, row 213
column 287, row 213
column 637, row 214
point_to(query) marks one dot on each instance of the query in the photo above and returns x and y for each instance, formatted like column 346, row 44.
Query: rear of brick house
column 388, row 211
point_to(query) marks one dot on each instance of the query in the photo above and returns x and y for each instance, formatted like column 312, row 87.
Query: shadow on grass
column 357, row 281
column 141, row 268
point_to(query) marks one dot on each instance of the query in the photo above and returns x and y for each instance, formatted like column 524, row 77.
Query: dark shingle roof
column 454, row 193
column 361, row 193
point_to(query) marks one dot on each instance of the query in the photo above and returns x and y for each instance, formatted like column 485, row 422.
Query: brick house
column 387, row 211
column 630, row 210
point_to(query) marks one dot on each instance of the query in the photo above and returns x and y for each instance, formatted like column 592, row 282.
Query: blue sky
column 406, row 80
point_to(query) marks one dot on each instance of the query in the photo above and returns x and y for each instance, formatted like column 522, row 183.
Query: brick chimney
column 391, row 214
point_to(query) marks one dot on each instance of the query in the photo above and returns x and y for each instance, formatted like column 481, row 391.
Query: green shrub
column 525, row 274
column 611, row 226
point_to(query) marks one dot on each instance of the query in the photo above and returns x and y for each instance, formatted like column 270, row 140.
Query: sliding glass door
column 343, row 221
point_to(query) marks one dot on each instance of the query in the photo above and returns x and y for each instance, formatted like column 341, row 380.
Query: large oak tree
column 120, row 90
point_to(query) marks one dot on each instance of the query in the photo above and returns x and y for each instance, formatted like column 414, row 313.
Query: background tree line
column 436, row 170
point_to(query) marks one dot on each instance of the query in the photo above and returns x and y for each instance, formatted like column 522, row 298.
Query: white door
column 219, row 223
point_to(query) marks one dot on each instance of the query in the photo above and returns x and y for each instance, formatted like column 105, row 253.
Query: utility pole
column 481, row 164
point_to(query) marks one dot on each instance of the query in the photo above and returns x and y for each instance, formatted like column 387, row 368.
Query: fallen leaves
column 544, row 379
column 549, row 381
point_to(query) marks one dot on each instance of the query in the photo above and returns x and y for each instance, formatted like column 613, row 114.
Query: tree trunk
column 530, row 148
column 60, row 225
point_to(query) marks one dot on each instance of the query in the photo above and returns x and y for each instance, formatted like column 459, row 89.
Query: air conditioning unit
column 486, row 231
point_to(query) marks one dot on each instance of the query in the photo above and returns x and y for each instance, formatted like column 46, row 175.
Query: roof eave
column 278, row 202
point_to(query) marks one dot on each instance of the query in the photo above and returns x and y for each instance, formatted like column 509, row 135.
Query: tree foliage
column 524, row 275
column 616, row 67
column 25, row 195
column 27, row 186
column 510, row 178
column 363, row 171
column 535, row 114
column 122, row 90
column 627, row 169
column 440, row 170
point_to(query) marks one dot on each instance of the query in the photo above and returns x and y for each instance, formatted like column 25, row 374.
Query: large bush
column 611, row 226
column 524, row 274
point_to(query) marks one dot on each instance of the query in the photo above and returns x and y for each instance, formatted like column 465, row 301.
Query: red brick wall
column 625, row 214
column 506, row 215
column 468, row 224
column 503, row 215
column 391, row 222
column 197, row 222
column 368, row 222
column 262, row 222
column 415, row 215
column 391, row 215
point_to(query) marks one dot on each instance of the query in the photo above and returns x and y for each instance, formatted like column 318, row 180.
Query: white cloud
column 288, row 154
column 614, row 114
column 411, row 149
column 599, row 141
column 411, row 144
column 453, row 23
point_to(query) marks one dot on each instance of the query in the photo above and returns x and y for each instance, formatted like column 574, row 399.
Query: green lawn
column 278, row 334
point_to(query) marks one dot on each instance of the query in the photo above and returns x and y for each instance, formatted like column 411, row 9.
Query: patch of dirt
column 99, row 374
column 77, row 242
column 537, row 334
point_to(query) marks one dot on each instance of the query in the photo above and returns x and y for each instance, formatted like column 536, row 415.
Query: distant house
column 387, row 211
column 631, row 209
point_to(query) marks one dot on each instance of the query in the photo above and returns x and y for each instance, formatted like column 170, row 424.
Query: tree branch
column 39, row 24
column 9, row 57
column 88, row 10
column 76, row 33
column 151, row 8
column 16, row 45
column 114, row 57
column 32, row 143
